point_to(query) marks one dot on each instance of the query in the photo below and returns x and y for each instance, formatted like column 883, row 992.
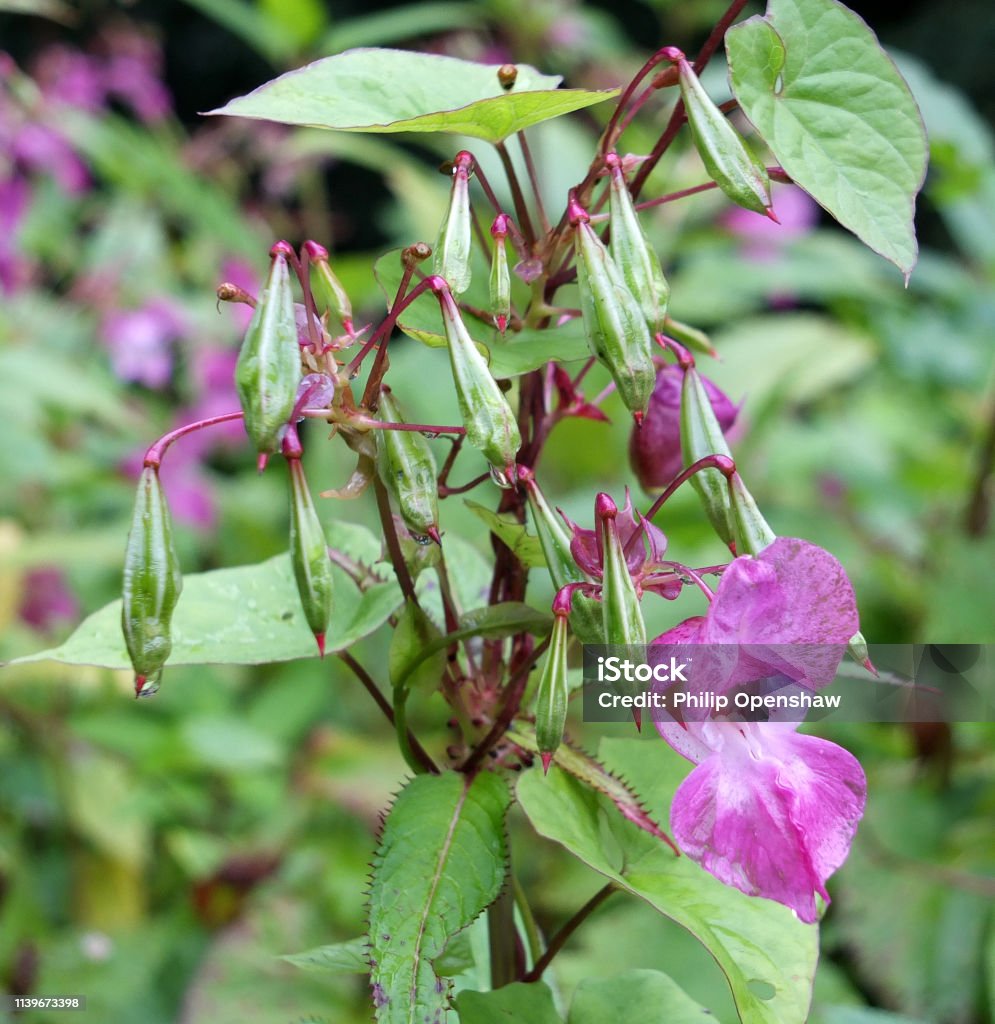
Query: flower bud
column 655, row 447
column 407, row 468
column 751, row 531
column 731, row 164
column 500, row 278
column 152, row 584
column 552, row 693
column 269, row 363
column 308, row 550
column 452, row 249
column 632, row 253
column 701, row 435
column 329, row 288
column 613, row 321
column 585, row 616
column 623, row 618
column 490, row 424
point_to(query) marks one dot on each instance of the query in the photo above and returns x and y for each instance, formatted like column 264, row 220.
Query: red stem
column 153, row 457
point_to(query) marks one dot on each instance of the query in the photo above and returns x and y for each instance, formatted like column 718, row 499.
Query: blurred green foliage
column 161, row 857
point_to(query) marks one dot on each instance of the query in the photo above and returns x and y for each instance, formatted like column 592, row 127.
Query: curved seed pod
column 330, row 289
column 552, row 693
column 613, row 321
column 728, row 160
column 623, row 618
column 152, row 584
column 490, row 424
column 407, row 468
column 585, row 616
column 690, row 337
column 500, row 278
column 269, row 362
column 308, row 551
column 632, row 252
column 752, row 533
column 452, row 248
column 702, row 435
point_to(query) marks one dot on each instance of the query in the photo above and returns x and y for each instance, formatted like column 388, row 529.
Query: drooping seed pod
column 452, row 248
column 751, row 531
column 727, row 158
column 329, row 288
column 623, row 618
column 613, row 320
column 490, row 424
column 308, row 547
column 407, row 468
column 552, row 692
column 269, row 362
column 585, row 616
column 633, row 255
column 152, row 584
column 500, row 278
column 702, row 435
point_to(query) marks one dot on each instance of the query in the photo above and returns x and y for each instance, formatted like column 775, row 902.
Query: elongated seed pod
column 330, row 289
column 269, row 362
column 727, row 158
column 407, row 468
column 152, row 584
column 500, row 281
column 702, row 435
column 452, row 248
column 309, row 556
column 633, row 255
column 751, row 531
column 490, row 424
column 613, row 320
column 623, row 618
column 552, row 693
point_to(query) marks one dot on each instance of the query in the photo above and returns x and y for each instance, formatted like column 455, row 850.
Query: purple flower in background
column 655, row 447
column 797, row 212
column 768, row 811
column 15, row 195
column 140, row 341
column 47, row 599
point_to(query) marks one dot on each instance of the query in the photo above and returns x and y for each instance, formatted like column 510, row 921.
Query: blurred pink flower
column 47, row 601
column 762, row 238
column 15, row 195
column 140, row 341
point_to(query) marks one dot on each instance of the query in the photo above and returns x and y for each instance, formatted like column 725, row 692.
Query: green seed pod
column 407, row 468
column 857, row 649
column 309, row 552
column 500, row 278
column 552, row 693
column 623, row 618
column 269, row 363
column 586, row 617
column 751, row 531
column 632, row 252
column 489, row 421
column 728, row 159
column 614, row 323
column 329, row 288
column 452, row 248
column 701, row 435
column 152, row 584
column 690, row 337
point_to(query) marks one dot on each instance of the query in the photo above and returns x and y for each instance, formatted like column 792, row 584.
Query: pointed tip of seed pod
column 261, row 462
column 637, row 418
column 316, row 252
column 140, row 682
column 319, row 639
column 637, row 717
column 547, row 760
column 501, row 323
column 282, row 248
column 576, row 213
column 732, row 548
column 869, row 665
column 771, row 214
column 605, row 507
column 433, row 532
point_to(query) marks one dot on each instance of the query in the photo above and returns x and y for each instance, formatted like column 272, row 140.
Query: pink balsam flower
column 767, row 811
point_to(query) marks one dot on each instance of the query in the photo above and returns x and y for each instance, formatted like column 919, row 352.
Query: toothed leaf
column 441, row 861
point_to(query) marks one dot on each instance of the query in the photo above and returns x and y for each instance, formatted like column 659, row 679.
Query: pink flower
column 768, row 811
column 655, row 447
column 140, row 342
column 47, row 600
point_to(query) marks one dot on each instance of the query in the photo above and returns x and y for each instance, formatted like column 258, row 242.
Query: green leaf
column 397, row 23
column 250, row 615
column 504, row 619
column 525, row 545
column 381, row 90
column 442, row 859
column 636, row 997
column 839, row 118
column 767, row 955
column 414, row 633
column 255, row 26
column 510, row 1004
column 338, row 958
